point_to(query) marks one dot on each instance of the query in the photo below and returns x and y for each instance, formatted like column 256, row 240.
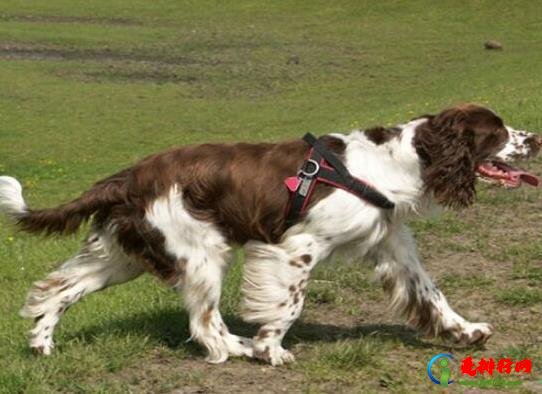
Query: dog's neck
column 390, row 164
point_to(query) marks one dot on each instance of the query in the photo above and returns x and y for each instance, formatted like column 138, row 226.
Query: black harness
column 323, row 166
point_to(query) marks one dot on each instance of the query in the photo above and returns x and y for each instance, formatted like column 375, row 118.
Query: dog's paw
column 240, row 346
column 473, row 334
column 44, row 348
column 217, row 357
column 41, row 342
column 229, row 345
column 274, row 355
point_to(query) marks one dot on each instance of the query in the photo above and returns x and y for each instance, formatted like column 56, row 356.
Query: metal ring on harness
column 333, row 173
column 310, row 173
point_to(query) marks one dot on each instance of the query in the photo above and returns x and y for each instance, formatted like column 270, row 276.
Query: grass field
column 88, row 87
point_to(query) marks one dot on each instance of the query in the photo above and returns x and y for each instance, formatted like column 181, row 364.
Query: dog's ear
column 445, row 144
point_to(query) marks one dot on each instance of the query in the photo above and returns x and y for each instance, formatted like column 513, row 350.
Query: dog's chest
column 343, row 218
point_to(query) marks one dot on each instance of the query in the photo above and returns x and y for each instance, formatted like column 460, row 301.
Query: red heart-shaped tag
column 292, row 183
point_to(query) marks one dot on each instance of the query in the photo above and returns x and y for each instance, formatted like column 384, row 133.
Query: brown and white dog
column 177, row 214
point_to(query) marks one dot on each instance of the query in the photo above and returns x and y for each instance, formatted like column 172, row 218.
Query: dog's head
column 464, row 142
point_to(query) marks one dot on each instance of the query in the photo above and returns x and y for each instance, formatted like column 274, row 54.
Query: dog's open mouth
column 499, row 172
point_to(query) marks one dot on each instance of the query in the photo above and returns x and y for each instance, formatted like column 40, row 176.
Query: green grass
column 88, row 87
column 520, row 296
column 453, row 282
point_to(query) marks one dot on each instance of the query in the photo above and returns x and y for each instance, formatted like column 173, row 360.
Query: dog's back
column 238, row 187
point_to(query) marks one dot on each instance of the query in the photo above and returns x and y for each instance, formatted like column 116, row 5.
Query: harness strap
column 323, row 166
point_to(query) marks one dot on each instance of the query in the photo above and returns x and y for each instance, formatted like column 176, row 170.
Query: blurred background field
column 88, row 87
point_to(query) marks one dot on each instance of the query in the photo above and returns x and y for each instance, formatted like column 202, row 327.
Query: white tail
column 11, row 196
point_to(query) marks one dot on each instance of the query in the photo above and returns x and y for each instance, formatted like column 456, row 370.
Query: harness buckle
column 310, row 168
column 334, row 173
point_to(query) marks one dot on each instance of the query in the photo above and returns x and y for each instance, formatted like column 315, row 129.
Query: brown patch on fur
column 381, row 135
column 67, row 218
column 294, row 263
column 263, row 333
column 237, row 187
column 265, row 355
column 419, row 312
column 49, row 283
column 64, row 288
column 423, row 316
column 306, row 258
column 282, row 304
column 206, row 317
column 451, row 145
column 141, row 241
column 388, row 283
column 477, row 335
column 535, row 144
column 476, row 338
column 454, row 332
column 240, row 187
column 277, row 331
column 292, row 288
column 181, row 266
column 37, row 350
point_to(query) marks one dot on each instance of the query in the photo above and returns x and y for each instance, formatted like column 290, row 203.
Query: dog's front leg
column 274, row 286
column 415, row 296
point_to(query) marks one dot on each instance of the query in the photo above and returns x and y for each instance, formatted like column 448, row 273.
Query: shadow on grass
column 169, row 327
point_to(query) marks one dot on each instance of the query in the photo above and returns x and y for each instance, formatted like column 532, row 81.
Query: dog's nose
column 535, row 143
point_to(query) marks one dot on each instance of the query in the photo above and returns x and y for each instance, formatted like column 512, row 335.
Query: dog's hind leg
column 99, row 264
column 200, row 254
column 201, row 289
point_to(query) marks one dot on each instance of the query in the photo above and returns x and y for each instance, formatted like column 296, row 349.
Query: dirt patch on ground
column 70, row 19
column 197, row 376
column 154, row 76
column 50, row 52
column 164, row 371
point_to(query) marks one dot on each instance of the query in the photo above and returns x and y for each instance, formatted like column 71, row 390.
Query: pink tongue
column 522, row 174
column 529, row 178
